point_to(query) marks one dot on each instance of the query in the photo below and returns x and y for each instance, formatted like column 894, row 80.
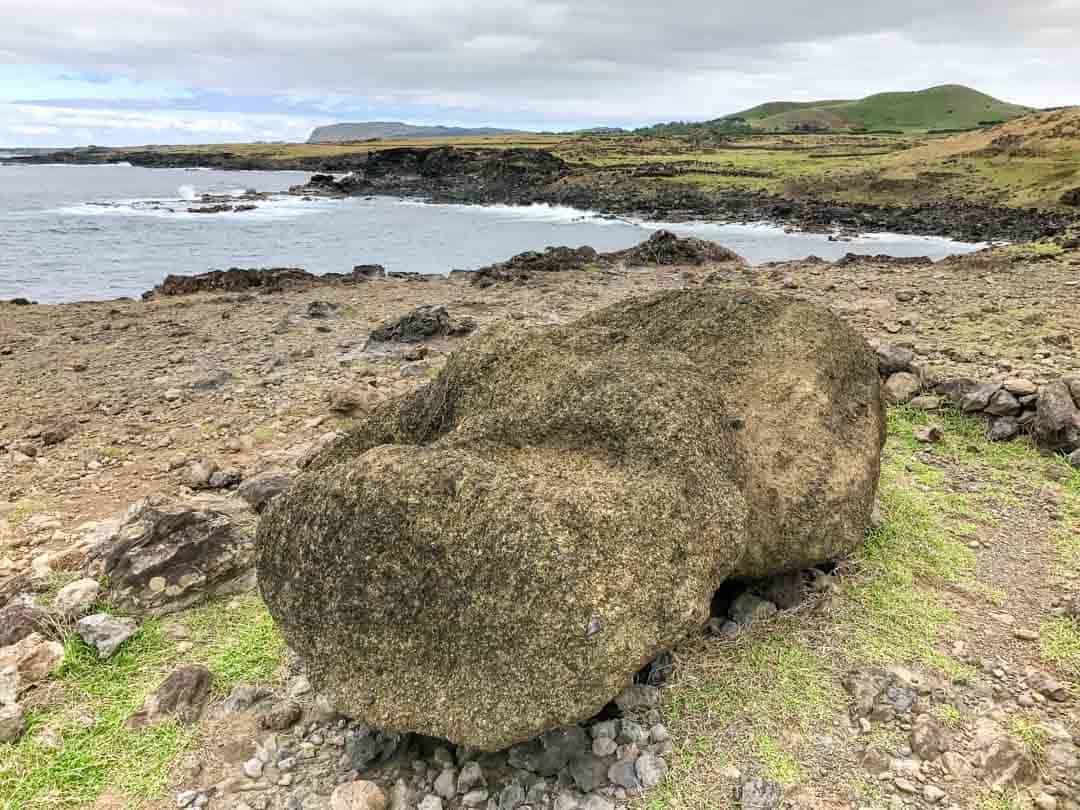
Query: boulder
column 665, row 248
column 423, row 323
column 182, row 695
column 168, row 556
column 1057, row 422
column 559, row 506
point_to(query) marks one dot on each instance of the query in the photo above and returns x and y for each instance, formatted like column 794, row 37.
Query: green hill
column 947, row 107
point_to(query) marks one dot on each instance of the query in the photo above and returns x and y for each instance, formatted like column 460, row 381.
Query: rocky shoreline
column 136, row 429
column 529, row 176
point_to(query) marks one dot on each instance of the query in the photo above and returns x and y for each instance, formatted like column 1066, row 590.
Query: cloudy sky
column 175, row 71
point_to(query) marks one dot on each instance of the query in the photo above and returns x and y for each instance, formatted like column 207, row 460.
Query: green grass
column 237, row 644
column 1059, row 643
column 776, row 764
column 949, row 715
column 89, row 703
column 88, row 700
column 1028, row 729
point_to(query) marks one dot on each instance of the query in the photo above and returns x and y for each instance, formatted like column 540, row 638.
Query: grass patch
column 87, row 701
column 949, row 715
column 237, row 641
column 776, row 764
column 1059, row 643
column 1032, row 736
column 23, row 511
column 889, row 613
column 86, row 706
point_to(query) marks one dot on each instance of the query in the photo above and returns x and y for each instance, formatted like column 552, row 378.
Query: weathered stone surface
column 263, row 488
column 12, row 723
column 168, row 556
column 1002, row 403
column 17, row 621
column 106, row 633
column 77, row 598
column 929, row 739
column 1057, row 425
column 666, row 442
column 892, row 359
column 901, row 387
column 978, row 398
column 358, row 796
column 759, row 794
column 182, row 695
column 1003, row 429
column 423, row 323
column 34, row 657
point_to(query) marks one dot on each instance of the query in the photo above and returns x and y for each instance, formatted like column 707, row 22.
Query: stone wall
column 1048, row 412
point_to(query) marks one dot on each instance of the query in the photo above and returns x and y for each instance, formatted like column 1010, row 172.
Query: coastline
column 547, row 180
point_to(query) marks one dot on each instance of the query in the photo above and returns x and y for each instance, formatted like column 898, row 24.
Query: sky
column 120, row 72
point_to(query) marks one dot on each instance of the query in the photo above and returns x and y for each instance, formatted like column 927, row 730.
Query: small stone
column 358, row 796
column 604, row 746
column 282, row 715
column 930, row 434
column 624, row 774
column 253, row 768
column 1044, row 801
column 892, row 359
column 186, row 797
column 471, row 776
column 933, row 794
column 1024, row 634
column 431, row 802
column 904, row 785
column 659, row 733
column 446, row 783
column 748, row 608
column 760, row 794
column 1003, row 429
column 12, row 723
column 77, row 598
column 1020, row 387
column 106, row 633
column 901, row 387
column 926, row 402
column 475, row 798
column 651, row 770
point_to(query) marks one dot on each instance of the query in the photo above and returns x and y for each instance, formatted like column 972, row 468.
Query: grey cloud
column 591, row 61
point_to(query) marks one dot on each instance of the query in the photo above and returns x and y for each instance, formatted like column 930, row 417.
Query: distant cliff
column 338, row 133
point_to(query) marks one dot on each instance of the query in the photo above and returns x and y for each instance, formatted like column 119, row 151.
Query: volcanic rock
column 168, row 556
column 667, row 442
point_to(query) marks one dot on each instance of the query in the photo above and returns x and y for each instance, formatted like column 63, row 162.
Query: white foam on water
column 283, row 207
column 187, row 193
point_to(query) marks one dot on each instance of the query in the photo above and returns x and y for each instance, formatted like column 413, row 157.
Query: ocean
column 77, row 233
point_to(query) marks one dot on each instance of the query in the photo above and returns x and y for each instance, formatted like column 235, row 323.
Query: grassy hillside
column 949, row 106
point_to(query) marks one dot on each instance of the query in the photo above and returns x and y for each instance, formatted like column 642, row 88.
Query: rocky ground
column 940, row 667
